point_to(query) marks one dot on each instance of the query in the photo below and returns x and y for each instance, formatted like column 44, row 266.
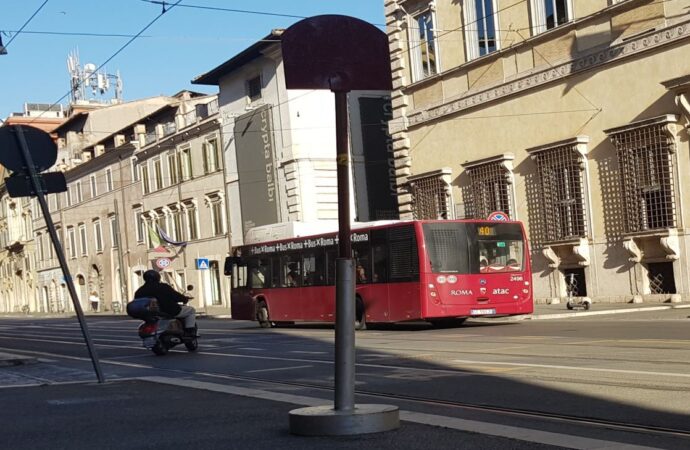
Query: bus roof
column 293, row 230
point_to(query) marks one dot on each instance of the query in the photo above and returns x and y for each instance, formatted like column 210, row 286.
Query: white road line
column 473, row 426
column 590, row 369
column 304, row 352
column 278, row 368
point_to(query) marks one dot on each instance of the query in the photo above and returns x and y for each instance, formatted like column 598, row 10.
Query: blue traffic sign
column 202, row 263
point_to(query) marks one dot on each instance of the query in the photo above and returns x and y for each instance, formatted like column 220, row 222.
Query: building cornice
column 659, row 120
column 630, row 48
column 434, row 173
column 491, row 159
column 577, row 140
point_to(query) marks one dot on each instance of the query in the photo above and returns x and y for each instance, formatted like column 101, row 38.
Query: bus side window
column 275, row 273
column 259, row 273
column 314, row 267
column 380, row 252
column 360, row 251
column 239, row 276
column 291, row 270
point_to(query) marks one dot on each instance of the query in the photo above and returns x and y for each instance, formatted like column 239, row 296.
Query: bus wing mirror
column 229, row 262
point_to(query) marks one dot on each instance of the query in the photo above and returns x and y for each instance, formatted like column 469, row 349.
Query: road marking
column 473, row 426
column 589, row 369
column 304, row 352
column 253, row 349
column 278, row 368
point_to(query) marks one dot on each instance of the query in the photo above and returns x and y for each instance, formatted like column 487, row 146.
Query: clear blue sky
column 182, row 44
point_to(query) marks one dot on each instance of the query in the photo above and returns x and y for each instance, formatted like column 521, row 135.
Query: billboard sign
column 255, row 152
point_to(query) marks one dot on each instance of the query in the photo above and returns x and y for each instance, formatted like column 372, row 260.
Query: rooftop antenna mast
column 85, row 77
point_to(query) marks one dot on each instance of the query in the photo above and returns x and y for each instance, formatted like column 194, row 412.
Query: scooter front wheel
column 159, row 349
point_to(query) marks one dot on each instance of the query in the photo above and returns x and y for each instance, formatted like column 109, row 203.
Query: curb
column 604, row 312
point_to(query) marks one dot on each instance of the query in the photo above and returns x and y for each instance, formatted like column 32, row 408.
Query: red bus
column 441, row 271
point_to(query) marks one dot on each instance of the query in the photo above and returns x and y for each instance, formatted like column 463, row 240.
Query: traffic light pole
column 38, row 190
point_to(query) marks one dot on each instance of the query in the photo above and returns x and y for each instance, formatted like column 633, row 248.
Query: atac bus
column 441, row 271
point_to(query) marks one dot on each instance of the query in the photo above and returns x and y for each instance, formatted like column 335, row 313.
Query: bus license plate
column 482, row 312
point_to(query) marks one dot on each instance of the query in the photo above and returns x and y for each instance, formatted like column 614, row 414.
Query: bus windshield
column 474, row 248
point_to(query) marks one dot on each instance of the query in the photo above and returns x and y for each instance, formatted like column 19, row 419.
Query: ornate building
column 568, row 115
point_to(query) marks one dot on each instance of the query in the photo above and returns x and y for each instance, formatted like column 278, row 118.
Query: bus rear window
column 447, row 247
column 472, row 248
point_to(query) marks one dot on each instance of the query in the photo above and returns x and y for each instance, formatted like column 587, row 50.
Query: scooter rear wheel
column 192, row 345
column 159, row 349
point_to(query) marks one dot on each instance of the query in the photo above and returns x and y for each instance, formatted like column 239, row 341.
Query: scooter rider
column 168, row 299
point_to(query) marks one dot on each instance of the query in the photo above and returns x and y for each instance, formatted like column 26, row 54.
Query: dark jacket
column 168, row 297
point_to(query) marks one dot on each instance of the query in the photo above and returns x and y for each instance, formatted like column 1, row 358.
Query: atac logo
column 461, row 292
column 501, row 291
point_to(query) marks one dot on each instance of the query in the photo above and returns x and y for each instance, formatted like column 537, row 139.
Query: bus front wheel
column 262, row 315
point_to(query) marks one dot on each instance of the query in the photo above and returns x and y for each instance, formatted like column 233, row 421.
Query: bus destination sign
column 486, row 231
column 302, row 244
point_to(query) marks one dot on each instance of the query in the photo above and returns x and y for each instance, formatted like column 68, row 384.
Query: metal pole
column 343, row 173
column 124, row 282
column 345, row 270
column 35, row 182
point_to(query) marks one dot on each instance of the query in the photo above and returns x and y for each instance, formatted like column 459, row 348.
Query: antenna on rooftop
column 87, row 77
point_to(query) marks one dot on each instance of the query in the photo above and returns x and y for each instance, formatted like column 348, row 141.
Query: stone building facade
column 570, row 116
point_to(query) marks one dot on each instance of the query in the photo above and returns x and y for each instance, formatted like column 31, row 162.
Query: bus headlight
column 452, row 279
column 440, row 279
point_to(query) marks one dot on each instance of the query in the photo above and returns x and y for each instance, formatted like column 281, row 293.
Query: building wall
column 211, row 288
column 580, row 79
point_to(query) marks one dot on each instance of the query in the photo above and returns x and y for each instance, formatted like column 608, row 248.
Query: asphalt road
column 624, row 377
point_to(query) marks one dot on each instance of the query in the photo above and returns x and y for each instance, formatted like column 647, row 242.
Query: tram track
column 501, row 410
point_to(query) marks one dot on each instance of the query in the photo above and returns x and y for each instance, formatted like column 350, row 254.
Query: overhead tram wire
column 135, row 37
column 216, row 8
column 71, row 33
column 26, row 23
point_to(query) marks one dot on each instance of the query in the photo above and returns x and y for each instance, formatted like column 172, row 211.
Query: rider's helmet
column 152, row 276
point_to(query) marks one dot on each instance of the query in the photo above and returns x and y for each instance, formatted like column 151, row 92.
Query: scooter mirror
column 190, row 287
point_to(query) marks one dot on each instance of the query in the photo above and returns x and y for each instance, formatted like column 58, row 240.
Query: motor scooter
column 160, row 332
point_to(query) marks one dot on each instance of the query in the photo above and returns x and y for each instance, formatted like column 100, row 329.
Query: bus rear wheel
column 262, row 315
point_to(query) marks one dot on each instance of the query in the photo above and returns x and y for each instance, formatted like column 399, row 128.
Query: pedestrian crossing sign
column 202, row 263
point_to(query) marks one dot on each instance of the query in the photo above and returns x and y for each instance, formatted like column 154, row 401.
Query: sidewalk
column 560, row 311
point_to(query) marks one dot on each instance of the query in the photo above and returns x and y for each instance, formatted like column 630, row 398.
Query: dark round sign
column 41, row 147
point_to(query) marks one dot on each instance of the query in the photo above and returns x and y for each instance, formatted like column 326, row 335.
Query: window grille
column 489, row 190
column 645, row 156
column 430, row 198
column 561, row 171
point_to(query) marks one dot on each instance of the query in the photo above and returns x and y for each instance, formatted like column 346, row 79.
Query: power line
column 68, row 33
column 215, row 8
column 26, row 23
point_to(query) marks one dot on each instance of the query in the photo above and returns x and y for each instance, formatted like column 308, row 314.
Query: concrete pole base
column 326, row 421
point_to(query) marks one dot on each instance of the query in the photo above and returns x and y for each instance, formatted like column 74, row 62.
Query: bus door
column 241, row 302
column 315, row 298
column 371, row 274
column 285, row 302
